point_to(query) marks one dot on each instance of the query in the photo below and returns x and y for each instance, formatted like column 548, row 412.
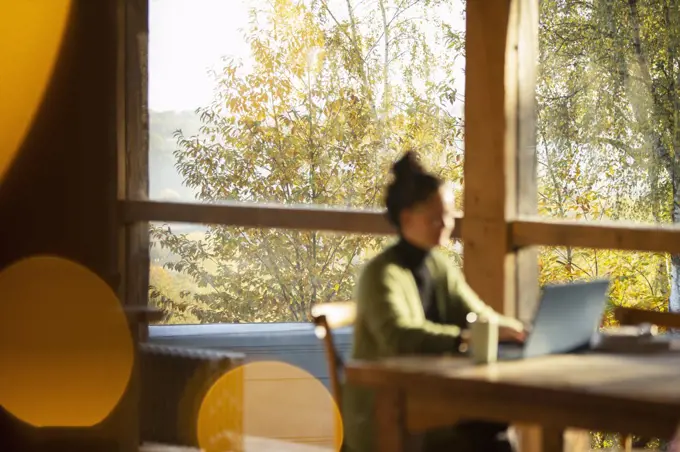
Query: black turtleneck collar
column 413, row 259
column 411, row 256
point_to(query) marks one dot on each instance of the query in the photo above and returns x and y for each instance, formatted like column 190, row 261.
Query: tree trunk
column 674, row 297
column 655, row 140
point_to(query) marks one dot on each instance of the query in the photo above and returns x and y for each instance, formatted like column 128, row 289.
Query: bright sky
column 187, row 38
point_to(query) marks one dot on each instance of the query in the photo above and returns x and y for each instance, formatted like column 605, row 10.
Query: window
column 254, row 106
column 606, row 124
column 223, row 274
column 301, row 102
column 577, row 179
column 638, row 279
column 607, row 127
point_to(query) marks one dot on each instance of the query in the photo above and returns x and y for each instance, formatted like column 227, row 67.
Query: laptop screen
column 567, row 318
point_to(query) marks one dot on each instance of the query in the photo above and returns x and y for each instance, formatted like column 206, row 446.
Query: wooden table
column 613, row 393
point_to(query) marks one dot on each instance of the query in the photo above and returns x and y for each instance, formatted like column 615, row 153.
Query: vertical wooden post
column 490, row 198
column 521, row 72
column 500, row 157
column 133, row 156
column 527, row 187
column 134, row 182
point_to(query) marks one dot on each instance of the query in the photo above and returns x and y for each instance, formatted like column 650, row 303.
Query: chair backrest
column 635, row 316
column 327, row 317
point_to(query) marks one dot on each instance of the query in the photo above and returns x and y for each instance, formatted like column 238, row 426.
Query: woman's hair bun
column 412, row 184
column 408, row 166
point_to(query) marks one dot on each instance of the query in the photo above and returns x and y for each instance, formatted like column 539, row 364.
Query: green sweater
column 391, row 321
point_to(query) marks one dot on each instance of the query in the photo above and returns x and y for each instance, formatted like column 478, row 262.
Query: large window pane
column 608, row 131
column 638, row 279
column 608, row 99
column 214, row 274
column 301, row 102
column 235, row 275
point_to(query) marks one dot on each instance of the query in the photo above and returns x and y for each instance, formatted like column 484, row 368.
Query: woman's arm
column 461, row 292
column 509, row 329
column 385, row 312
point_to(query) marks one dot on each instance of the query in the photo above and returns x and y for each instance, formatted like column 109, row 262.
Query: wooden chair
column 327, row 317
column 636, row 316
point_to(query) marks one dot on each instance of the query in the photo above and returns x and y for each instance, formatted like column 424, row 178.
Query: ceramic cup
column 483, row 338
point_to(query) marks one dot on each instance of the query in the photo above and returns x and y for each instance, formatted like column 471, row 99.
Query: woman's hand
column 512, row 331
column 507, row 334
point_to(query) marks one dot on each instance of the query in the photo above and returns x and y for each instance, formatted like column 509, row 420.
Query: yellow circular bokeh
column 66, row 352
column 31, row 34
column 265, row 401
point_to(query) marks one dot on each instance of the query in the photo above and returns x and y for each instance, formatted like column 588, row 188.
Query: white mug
column 483, row 338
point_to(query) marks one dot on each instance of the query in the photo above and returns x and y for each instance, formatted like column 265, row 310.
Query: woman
column 412, row 300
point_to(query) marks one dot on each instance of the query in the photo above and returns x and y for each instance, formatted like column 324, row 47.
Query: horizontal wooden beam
column 635, row 316
column 143, row 314
column 262, row 216
column 619, row 235
column 525, row 232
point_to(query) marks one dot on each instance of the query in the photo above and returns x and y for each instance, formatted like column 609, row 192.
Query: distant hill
column 165, row 183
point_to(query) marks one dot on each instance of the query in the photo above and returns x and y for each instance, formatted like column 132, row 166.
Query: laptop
column 567, row 320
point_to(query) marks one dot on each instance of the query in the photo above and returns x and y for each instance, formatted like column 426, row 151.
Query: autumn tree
column 329, row 98
column 606, row 130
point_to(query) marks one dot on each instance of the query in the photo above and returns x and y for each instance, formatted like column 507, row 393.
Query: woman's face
column 431, row 222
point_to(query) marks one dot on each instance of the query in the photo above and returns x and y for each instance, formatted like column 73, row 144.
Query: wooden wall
column 59, row 196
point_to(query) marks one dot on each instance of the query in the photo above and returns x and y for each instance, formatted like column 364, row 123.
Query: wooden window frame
column 500, row 230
